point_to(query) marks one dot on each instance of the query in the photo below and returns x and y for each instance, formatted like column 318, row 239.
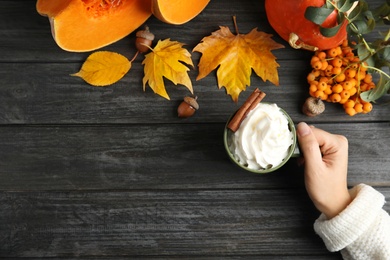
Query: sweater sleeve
column 362, row 230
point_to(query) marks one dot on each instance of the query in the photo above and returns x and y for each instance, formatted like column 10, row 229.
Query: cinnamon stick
column 251, row 102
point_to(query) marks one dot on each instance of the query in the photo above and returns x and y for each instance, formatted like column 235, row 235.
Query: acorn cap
column 192, row 102
column 146, row 34
column 313, row 106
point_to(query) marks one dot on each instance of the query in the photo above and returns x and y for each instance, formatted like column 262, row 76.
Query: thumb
column 309, row 145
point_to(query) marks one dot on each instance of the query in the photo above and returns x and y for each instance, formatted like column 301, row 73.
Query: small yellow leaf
column 166, row 60
column 104, row 68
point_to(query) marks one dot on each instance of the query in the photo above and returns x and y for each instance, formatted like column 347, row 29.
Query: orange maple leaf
column 236, row 56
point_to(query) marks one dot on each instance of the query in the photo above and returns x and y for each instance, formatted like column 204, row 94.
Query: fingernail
column 303, row 129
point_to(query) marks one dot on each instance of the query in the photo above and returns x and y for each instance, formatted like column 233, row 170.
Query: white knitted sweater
column 362, row 230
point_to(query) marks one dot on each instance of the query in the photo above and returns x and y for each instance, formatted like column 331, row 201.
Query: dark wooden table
column 112, row 173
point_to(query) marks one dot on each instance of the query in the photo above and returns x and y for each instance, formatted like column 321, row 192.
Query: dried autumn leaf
column 236, row 56
column 104, row 68
column 166, row 60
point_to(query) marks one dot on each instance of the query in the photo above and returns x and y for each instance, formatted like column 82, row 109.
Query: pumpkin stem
column 297, row 44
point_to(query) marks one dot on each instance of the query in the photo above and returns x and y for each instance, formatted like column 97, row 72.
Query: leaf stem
column 235, row 24
column 135, row 56
column 380, row 71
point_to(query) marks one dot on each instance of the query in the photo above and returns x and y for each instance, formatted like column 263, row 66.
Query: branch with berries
column 362, row 20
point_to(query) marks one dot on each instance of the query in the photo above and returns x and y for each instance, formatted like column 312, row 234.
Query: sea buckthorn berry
column 352, row 91
column 313, row 88
column 356, row 60
column 336, row 70
column 350, row 111
column 349, row 103
column 350, row 73
column 343, row 100
column 322, row 85
column 335, row 98
column 358, row 107
column 324, row 65
column 328, row 90
column 371, row 85
column 344, row 94
column 363, row 66
column 338, row 50
column 353, row 82
column 332, row 52
column 313, row 60
column 344, row 43
column 360, row 75
column 319, row 94
column 311, row 77
column 354, row 66
column 337, row 88
column 340, row 77
column 347, row 50
column 324, row 79
column 367, row 107
column 367, row 78
column 317, row 65
column 316, row 73
column 321, row 55
column 347, row 85
column 337, row 62
column 329, row 70
column 363, row 87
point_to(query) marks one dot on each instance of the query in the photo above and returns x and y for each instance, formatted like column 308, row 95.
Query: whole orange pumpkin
column 287, row 18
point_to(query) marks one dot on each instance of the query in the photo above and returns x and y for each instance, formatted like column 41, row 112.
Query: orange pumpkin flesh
column 287, row 18
column 86, row 25
column 177, row 11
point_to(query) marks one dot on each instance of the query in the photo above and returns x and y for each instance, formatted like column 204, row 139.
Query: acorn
column 187, row 107
column 313, row 106
column 144, row 40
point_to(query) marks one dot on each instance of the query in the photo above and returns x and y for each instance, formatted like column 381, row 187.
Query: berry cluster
column 339, row 76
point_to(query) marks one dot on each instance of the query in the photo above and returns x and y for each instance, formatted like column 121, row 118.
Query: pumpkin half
column 86, row 25
column 177, row 11
column 288, row 20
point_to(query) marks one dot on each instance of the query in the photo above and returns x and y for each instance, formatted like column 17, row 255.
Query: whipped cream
column 263, row 138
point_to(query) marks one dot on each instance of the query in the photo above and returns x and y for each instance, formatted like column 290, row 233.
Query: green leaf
column 385, row 53
column 363, row 53
column 381, row 88
column 363, row 26
column 344, row 5
column 382, row 12
column 317, row 14
column 329, row 32
column 356, row 13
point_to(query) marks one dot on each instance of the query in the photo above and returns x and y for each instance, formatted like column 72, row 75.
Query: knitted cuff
column 342, row 230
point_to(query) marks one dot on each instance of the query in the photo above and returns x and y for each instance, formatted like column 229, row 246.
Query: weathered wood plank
column 160, row 223
column 161, row 157
column 46, row 94
column 26, row 36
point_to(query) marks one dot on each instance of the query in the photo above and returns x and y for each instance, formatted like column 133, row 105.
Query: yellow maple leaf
column 236, row 56
column 166, row 60
column 103, row 68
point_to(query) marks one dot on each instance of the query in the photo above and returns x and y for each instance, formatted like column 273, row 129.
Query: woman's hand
column 325, row 158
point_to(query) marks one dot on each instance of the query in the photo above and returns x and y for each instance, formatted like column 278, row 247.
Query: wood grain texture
column 176, row 223
column 112, row 173
column 161, row 157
